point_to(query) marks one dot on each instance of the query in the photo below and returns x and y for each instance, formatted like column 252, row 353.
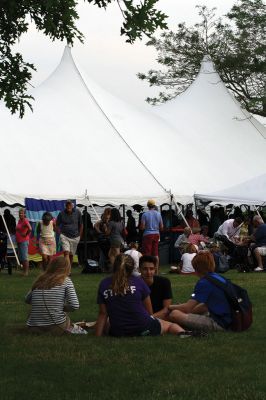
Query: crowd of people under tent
column 135, row 299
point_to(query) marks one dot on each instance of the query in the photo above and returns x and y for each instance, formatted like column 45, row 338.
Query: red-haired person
column 207, row 309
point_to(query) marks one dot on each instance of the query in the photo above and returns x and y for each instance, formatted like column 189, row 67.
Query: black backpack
column 238, row 299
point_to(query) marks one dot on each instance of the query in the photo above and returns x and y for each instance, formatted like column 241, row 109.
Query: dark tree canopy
column 57, row 19
column 236, row 44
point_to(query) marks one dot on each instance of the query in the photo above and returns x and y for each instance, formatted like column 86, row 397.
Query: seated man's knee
column 257, row 253
column 176, row 316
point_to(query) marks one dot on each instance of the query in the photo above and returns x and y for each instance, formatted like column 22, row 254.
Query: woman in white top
column 186, row 260
column 47, row 243
column 52, row 294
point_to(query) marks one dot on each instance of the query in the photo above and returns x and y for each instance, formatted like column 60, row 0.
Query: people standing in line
column 132, row 234
column 191, row 220
column 86, row 221
column 125, row 300
column 160, row 287
column 7, row 225
column 203, row 217
column 47, row 244
column 151, row 224
column 115, row 231
column 23, row 230
column 101, row 228
column 52, row 295
column 69, row 225
column 10, row 221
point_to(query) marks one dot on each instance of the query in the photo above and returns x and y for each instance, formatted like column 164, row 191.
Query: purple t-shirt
column 152, row 220
column 127, row 314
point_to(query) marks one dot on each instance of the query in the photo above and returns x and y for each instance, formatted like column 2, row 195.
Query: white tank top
column 47, row 231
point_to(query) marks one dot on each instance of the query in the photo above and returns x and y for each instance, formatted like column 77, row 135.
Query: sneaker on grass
column 258, row 269
column 186, row 334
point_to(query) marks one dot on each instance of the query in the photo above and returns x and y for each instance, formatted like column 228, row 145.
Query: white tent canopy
column 251, row 192
column 81, row 139
column 67, row 146
column 230, row 143
column 173, row 162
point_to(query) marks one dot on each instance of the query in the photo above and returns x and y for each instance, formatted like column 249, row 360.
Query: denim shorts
column 153, row 328
column 23, row 250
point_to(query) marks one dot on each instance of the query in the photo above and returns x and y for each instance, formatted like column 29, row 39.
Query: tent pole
column 257, row 211
column 180, row 211
column 10, row 239
column 92, row 206
column 85, row 235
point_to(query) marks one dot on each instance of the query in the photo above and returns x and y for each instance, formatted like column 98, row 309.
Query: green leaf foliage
column 236, row 44
column 57, row 19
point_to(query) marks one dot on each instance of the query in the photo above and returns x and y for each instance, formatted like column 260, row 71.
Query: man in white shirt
column 228, row 233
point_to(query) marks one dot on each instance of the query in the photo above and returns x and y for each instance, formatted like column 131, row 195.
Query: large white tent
column 251, row 192
column 81, row 139
column 68, row 147
column 230, row 143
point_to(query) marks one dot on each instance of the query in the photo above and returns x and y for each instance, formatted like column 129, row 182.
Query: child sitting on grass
column 186, row 260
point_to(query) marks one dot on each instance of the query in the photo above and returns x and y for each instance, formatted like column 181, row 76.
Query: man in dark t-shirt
column 70, row 226
column 160, row 287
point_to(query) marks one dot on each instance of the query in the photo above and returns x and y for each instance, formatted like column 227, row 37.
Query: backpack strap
column 216, row 281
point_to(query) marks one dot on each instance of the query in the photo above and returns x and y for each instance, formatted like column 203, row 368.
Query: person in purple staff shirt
column 125, row 300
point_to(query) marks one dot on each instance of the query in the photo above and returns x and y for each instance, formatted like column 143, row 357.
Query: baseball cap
column 151, row 202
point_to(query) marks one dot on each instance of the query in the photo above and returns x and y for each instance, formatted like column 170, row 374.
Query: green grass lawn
column 221, row 366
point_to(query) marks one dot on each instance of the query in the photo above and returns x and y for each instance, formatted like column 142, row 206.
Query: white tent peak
column 207, row 66
column 70, row 145
column 231, row 143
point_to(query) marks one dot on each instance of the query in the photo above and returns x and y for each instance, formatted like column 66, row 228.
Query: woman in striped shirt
column 52, row 294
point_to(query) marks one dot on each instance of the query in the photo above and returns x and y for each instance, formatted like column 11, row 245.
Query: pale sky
column 104, row 56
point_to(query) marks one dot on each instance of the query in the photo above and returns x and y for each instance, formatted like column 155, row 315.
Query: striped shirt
column 49, row 305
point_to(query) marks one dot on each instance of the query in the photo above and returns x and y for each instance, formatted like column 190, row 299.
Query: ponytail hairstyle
column 123, row 268
column 133, row 245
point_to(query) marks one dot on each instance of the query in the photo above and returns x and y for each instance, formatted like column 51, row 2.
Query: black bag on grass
column 91, row 267
column 221, row 262
column 238, row 299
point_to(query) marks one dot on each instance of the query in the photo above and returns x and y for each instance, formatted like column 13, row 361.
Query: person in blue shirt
column 208, row 309
column 151, row 224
